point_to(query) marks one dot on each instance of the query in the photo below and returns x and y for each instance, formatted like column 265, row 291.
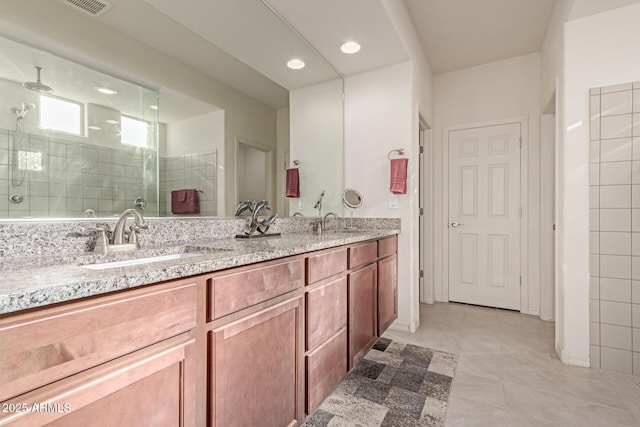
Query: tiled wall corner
column 614, row 228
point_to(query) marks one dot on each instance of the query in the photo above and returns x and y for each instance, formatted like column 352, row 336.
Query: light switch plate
column 393, row 201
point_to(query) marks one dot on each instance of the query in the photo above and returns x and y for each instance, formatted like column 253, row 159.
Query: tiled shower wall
column 75, row 176
column 190, row 171
column 615, row 228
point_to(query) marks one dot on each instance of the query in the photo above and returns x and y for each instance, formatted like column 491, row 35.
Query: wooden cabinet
column 362, row 311
column 256, row 367
column 43, row 346
column 150, row 387
column 261, row 344
column 387, row 292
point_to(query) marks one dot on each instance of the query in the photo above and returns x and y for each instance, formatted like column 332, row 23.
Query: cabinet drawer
column 387, row 247
column 326, row 311
column 50, row 344
column 246, row 286
column 326, row 366
column 326, row 264
column 152, row 386
column 362, row 254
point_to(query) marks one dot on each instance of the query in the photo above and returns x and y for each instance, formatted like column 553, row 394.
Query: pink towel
column 398, row 182
column 185, row 201
column 293, row 183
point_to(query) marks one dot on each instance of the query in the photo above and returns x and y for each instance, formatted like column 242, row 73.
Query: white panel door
column 484, row 216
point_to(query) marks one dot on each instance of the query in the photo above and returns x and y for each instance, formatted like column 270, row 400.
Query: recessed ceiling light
column 295, row 64
column 93, row 127
column 106, row 90
column 350, row 47
column 112, row 122
column 153, row 107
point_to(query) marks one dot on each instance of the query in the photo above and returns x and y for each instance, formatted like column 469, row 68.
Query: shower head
column 22, row 111
column 38, row 86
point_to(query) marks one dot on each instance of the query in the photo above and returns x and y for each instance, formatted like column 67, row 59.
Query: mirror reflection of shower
column 17, row 174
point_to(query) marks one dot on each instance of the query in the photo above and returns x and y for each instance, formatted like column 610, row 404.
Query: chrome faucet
column 260, row 226
column 243, row 206
column 120, row 234
column 324, row 219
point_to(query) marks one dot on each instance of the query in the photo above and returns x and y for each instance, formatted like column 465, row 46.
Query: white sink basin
column 160, row 258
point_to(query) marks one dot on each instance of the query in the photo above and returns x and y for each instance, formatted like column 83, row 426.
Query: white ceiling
column 327, row 24
column 459, row 34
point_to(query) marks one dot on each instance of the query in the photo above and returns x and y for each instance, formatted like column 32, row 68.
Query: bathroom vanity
column 257, row 340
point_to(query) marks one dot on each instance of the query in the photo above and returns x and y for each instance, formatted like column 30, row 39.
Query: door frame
column 269, row 168
column 523, row 121
column 426, row 294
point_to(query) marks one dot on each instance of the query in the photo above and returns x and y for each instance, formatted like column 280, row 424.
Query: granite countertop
column 37, row 282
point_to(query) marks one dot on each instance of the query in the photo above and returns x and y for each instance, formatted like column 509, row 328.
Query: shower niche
column 73, row 138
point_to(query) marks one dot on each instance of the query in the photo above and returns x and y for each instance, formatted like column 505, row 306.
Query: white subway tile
column 635, row 292
column 615, row 173
column 612, row 150
column 594, row 333
column 594, row 106
column 636, row 363
column 616, row 360
column 594, row 354
column 615, row 336
column 594, row 265
column 618, row 290
column 635, row 196
column 615, row 313
column 616, row 88
column 594, row 129
column 594, row 173
column 594, row 287
column 635, row 131
column 594, row 242
column 614, row 266
column 615, row 220
column 636, row 339
column 635, row 315
column 614, row 103
column 616, row 126
column 594, row 310
column 594, row 152
column 613, row 243
column 636, row 101
column 615, row 196
column 635, row 268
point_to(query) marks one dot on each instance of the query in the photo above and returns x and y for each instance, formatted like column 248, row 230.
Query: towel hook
column 400, row 152
column 297, row 163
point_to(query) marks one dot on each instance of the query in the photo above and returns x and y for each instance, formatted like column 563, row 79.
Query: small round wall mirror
column 352, row 198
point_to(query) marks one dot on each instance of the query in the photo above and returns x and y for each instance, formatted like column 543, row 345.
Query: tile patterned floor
column 395, row 385
column 509, row 374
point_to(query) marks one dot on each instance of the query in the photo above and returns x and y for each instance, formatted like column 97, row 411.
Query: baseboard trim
column 573, row 359
column 400, row 327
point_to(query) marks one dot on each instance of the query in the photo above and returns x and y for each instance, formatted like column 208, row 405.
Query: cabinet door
column 256, row 364
column 387, row 292
column 154, row 386
column 362, row 312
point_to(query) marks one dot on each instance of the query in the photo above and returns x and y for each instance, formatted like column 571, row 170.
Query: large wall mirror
column 77, row 134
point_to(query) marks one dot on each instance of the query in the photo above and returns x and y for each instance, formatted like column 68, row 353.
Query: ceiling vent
column 92, row 7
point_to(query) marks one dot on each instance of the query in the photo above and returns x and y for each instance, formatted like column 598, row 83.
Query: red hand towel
column 293, row 183
column 185, row 201
column 398, row 182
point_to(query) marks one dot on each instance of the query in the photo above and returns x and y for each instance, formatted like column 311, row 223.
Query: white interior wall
column 95, row 44
column 282, row 138
column 317, row 141
column 500, row 90
column 421, row 106
column 379, row 118
column 251, row 165
column 599, row 50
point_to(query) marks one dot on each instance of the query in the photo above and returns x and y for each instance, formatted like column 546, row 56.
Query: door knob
column 456, row 224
